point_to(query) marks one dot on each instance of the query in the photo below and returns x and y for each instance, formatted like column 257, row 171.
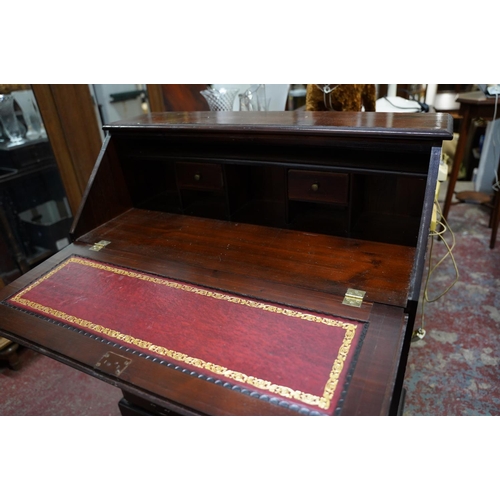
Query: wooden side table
column 472, row 105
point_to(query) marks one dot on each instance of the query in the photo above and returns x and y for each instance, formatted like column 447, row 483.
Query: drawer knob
column 315, row 186
column 197, row 177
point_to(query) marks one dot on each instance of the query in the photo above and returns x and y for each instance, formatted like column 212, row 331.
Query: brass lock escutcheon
column 112, row 363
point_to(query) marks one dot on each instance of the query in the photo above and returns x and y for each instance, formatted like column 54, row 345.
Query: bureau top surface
column 411, row 125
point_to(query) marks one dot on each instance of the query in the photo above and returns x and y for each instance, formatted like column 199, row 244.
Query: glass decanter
column 12, row 128
column 219, row 99
column 26, row 101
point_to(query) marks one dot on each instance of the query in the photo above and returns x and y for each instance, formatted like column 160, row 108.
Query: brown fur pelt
column 7, row 88
column 345, row 97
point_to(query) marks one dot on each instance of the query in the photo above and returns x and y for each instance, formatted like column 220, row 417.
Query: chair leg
column 10, row 354
column 494, row 219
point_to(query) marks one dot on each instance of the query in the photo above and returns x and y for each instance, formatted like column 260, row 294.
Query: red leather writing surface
column 295, row 356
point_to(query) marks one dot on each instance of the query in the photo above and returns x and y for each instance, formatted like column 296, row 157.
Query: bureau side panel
column 106, row 196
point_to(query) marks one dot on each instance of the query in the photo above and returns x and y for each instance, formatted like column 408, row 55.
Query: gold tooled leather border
column 322, row 401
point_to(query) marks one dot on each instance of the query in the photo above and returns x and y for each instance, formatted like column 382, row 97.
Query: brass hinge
column 99, row 245
column 353, row 297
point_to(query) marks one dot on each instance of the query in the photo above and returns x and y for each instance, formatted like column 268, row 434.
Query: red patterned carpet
column 44, row 387
column 454, row 369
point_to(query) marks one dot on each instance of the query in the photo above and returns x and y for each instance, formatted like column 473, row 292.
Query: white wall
column 114, row 111
column 490, row 156
column 277, row 93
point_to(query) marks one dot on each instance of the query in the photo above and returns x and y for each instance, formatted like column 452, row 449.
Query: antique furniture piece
column 472, row 105
column 8, row 352
column 29, row 233
column 243, row 263
column 8, row 349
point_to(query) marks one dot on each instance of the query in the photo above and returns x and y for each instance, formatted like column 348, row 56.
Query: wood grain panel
column 310, row 261
column 72, row 127
column 177, row 97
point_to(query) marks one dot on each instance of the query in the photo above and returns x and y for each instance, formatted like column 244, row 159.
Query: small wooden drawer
column 199, row 176
column 319, row 187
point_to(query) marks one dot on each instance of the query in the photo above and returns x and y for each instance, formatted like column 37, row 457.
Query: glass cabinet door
column 35, row 216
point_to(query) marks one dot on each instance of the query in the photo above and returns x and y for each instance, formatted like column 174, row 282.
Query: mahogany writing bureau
column 243, row 263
